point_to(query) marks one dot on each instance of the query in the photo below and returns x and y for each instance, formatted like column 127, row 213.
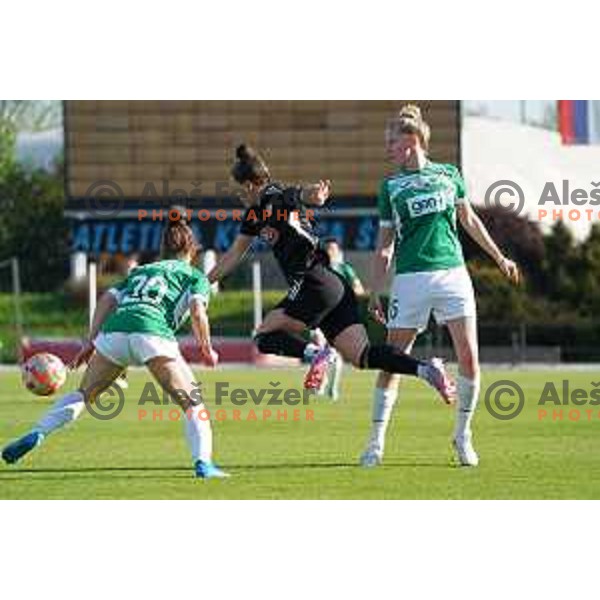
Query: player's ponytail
column 178, row 239
column 249, row 166
column 410, row 120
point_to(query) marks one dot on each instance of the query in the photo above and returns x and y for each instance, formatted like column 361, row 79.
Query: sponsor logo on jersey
column 427, row 204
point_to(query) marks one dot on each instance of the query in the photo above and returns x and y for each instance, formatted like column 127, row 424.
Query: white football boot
column 465, row 453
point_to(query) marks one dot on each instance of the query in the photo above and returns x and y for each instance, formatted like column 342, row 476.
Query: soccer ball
column 44, row 373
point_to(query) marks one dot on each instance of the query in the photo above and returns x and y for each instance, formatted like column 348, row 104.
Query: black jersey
column 281, row 220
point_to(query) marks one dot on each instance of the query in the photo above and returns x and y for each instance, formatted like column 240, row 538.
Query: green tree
column 516, row 236
column 588, row 273
column 33, row 227
column 561, row 266
column 7, row 148
column 31, row 115
column 498, row 300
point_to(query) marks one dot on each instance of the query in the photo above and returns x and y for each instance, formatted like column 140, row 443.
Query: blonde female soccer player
column 419, row 205
column 135, row 324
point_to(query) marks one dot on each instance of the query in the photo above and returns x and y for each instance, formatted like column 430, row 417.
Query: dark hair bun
column 244, row 153
column 249, row 166
column 183, row 220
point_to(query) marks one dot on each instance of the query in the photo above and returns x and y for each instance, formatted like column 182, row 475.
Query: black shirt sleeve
column 274, row 197
column 278, row 196
column 251, row 226
column 292, row 197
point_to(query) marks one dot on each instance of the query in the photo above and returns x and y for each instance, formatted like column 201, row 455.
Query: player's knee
column 357, row 364
column 264, row 342
column 182, row 398
column 356, row 356
column 348, row 352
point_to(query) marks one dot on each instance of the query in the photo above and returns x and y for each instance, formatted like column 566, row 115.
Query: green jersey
column 345, row 270
column 155, row 298
column 421, row 205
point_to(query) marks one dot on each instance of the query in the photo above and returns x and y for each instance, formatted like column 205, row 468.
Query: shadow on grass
column 14, row 472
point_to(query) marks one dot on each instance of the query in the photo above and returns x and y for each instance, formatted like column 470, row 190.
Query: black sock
column 389, row 359
column 281, row 343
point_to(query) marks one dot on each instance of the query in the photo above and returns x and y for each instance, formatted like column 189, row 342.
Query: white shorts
column 448, row 293
column 126, row 349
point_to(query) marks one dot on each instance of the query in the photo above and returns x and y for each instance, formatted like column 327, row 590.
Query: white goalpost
column 92, row 290
column 257, row 293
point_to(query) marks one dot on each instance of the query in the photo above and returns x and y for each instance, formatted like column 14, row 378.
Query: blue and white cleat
column 208, row 470
column 19, row 448
column 372, row 456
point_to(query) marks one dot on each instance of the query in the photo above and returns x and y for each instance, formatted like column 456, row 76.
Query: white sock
column 468, row 395
column 198, row 432
column 310, row 351
column 383, row 404
column 63, row 411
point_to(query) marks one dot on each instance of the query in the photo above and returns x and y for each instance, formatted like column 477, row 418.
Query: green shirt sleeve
column 384, row 206
column 200, row 288
column 118, row 288
column 350, row 273
column 346, row 270
column 459, row 184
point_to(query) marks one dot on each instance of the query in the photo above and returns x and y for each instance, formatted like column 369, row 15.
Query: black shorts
column 323, row 299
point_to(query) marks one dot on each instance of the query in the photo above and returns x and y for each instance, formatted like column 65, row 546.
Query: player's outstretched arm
column 316, row 194
column 477, row 230
column 230, row 260
column 106, row 305
column 382, row 259
column 201, row 329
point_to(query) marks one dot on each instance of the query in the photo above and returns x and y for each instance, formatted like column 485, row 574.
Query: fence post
column 16, row 281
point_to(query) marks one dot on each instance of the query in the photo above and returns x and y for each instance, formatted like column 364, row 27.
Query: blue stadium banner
column 135, row 228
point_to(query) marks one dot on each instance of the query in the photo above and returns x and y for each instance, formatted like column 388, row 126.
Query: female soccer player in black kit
column 317, row 296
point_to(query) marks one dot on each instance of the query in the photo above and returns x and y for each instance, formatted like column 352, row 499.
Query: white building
column 496, row 149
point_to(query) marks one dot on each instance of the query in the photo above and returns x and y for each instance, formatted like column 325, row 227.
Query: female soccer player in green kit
column 135, row 323
column 418, row 207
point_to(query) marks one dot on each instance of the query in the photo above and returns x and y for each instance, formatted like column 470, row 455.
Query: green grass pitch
column 129, row 458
